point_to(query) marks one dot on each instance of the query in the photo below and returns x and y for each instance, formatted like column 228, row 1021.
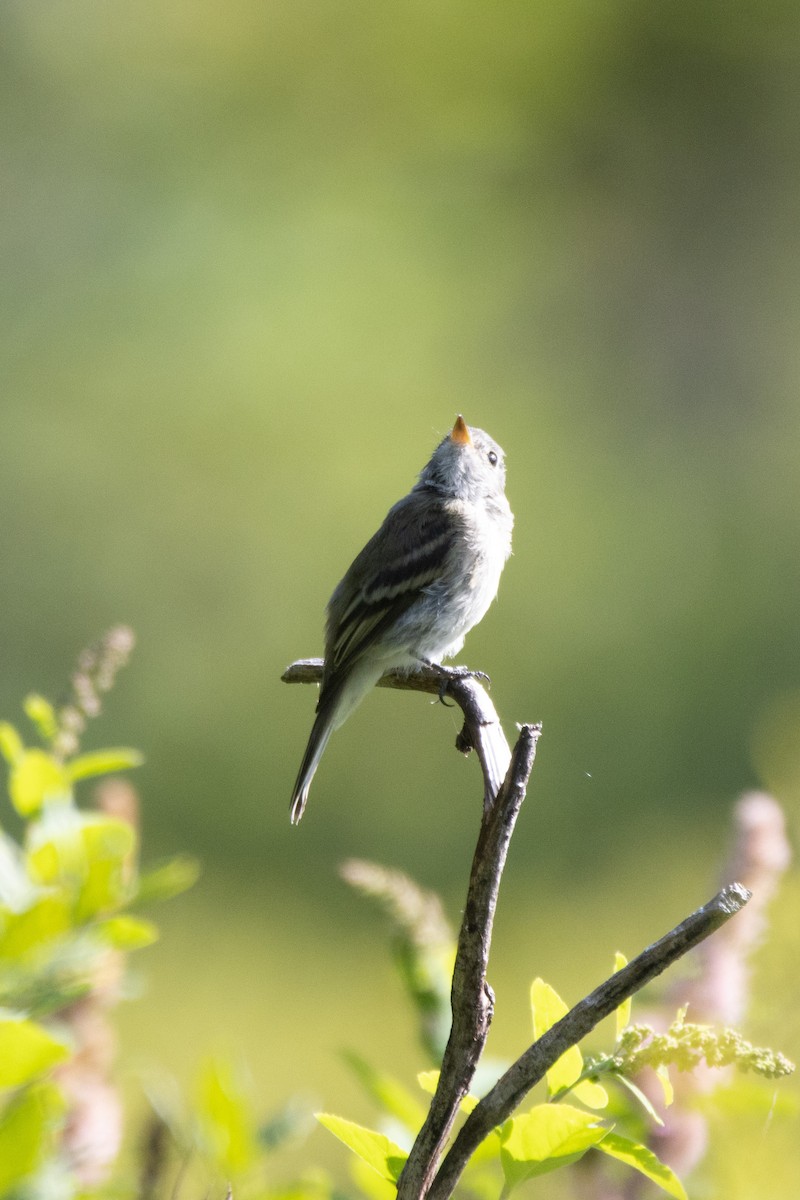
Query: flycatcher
column 419, row 585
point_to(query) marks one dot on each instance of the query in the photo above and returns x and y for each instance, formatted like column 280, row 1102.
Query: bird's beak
column 460, row 434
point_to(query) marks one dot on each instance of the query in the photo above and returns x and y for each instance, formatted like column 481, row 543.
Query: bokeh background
column 256, row 255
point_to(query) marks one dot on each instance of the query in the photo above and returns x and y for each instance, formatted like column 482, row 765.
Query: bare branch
column 505, row 781
column 498, row 1104
column 472, row 1000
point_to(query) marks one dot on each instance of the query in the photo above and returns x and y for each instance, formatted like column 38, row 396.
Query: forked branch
column 498, row 1104
column 506, row 774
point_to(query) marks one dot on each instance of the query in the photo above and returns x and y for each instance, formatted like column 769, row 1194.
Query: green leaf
column 548, row 1008
column 623, row 1013
column 592, row 1094
column 547, row 1137
column 644, row 1100
column 390, row 1095
column 374, row 1187
column 36, row 777
column 47, row 917
column 226, row 1119
column 168, row 880
column 128, row 933
column 26, row 1050
column 88, row 854
column 42, row 714
column 377, row 1151
column 644, row 1161
column 27, row 1128
column 109, row 846
column 54, row 846
column 103, row 762
column 662, row 1075
column 11, row 746
column 429, row 1081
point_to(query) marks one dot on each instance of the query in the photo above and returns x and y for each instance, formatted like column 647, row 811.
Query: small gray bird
column 419, row 585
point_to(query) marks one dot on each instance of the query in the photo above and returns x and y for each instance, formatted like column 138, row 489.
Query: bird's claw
column 446, row 674
column 466, row 673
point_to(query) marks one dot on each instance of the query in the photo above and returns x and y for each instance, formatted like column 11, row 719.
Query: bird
column 419, row 585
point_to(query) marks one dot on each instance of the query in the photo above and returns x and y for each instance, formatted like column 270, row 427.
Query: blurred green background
column 255, row 258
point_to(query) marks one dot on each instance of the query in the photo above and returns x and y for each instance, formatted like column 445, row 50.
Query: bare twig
column 498, row 1104
column 505, row 781
column 472, row 1000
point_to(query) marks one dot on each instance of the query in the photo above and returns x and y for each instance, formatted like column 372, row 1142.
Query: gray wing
column 410, row 551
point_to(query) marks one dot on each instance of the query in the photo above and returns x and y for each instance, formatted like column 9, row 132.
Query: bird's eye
column 492, row 457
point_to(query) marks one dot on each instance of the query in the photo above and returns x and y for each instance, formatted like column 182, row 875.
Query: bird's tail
column 320, row 732
column 338, row 697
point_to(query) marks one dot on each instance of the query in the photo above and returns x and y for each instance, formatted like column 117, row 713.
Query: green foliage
column 545, row 1138
column 66, row 891
column 71, row 892
column 226, row 1124
column 30, row 1122
column 375, row 1149
column 215, row 1140
column 556, row 1134
column 26, row 1051
column 566, row 1074
column 643, row 1161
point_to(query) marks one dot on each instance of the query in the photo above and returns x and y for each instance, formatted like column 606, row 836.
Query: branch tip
column 733, row 897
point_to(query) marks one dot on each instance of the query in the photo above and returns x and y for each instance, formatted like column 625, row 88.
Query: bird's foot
column 446, row 674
